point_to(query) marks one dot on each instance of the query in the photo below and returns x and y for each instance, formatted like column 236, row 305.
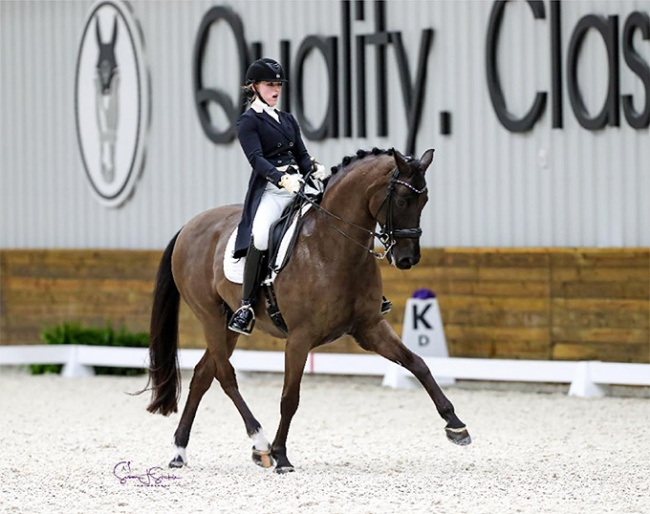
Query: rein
column 388, row 234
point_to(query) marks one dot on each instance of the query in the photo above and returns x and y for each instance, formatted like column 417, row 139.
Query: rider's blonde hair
column 249, row 92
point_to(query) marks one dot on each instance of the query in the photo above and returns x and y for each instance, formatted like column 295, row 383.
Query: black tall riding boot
column 243, row 319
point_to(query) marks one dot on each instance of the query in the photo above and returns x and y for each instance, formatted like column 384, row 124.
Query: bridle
column 389, row 234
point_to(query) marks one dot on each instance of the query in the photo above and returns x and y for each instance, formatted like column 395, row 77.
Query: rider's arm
column 250, row 142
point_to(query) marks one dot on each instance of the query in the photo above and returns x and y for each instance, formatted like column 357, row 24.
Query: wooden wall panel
column 600, row 305
column 501, row 303
column 43, row 288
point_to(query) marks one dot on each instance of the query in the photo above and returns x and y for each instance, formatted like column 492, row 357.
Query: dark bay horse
column 330, row 287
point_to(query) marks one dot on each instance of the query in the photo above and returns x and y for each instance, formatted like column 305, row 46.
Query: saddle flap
column 284, row 233
column 280, row 247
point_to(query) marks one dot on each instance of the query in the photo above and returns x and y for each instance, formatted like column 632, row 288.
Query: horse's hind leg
column 204, row 373
column 215, row 364
column 225, row 374
column 382, row 339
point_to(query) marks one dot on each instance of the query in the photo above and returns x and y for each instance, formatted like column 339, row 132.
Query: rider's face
column 269, row 92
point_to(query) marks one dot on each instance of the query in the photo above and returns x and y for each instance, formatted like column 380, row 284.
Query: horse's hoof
column 177, row 462
column 262, row 458
column 459, row 436
column 284, row 470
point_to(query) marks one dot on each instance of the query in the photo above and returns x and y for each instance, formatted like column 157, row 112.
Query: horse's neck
column 350, row 205
column 347, row 199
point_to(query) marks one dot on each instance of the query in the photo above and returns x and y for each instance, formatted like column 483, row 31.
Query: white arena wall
column 490, row 187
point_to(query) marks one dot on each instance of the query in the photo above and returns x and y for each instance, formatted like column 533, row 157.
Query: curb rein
column 388, row 235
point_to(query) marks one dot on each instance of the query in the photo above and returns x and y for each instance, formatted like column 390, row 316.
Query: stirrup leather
column 243, row 320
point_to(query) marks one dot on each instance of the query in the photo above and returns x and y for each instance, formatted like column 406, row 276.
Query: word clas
column 608, row 29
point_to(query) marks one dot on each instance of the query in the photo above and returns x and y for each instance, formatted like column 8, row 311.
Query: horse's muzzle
column 407, row 262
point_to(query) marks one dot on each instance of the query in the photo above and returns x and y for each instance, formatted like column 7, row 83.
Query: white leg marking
column 260, row 442
column 179, row 452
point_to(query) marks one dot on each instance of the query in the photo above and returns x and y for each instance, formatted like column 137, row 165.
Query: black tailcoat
column 267, row 145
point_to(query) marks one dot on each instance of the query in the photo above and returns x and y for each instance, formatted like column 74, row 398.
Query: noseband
column 388, row 235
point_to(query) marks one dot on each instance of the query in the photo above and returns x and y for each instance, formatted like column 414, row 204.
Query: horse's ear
column 98, row 31
column 114, row 38
column 400, row 160
column 425, row 160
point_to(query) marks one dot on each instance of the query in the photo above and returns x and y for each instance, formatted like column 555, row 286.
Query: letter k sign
column 423, row 334
column 419, row 316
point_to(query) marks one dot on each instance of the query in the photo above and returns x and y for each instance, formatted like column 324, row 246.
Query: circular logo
column 112, row 101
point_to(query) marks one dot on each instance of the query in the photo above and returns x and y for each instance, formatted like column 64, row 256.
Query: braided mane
column 361, row 154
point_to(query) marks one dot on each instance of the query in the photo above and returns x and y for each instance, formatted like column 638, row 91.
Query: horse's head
column 401, row 207
column 106, row 62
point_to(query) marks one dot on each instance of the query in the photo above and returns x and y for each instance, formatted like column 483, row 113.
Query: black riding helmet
column 265, row 69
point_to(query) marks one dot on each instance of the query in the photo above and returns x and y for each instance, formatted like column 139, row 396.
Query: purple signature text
column 151, row 477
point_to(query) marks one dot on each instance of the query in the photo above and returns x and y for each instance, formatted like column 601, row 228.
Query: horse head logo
column 112, row 101
column 107, row 84
column 106, row 62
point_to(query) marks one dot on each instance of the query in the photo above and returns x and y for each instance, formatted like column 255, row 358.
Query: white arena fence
column 585, row 377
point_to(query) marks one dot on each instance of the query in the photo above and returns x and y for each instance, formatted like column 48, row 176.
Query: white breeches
column 273, row 202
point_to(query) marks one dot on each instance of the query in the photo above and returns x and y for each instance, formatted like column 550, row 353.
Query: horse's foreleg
column 201, row 380
column 382, row 339
column 295, row 357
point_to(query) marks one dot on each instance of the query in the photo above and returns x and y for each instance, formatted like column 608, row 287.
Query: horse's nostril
column 405, row 262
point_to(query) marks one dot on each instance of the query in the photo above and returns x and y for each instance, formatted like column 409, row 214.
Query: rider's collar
column 258, row 106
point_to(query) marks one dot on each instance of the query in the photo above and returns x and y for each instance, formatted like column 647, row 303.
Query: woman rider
column 272, row 142
column 273, row 145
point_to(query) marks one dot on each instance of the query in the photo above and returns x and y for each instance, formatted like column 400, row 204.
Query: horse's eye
column 401, row 203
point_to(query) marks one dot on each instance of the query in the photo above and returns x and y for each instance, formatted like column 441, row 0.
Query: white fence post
column 73, row 368
column 583, row 384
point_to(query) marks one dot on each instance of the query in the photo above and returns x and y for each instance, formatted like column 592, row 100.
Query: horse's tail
column 164, row 373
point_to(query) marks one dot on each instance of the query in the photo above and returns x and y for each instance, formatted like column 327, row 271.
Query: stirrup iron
column 243, row 320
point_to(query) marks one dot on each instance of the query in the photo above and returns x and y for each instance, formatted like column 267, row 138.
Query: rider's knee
column 261, row 238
